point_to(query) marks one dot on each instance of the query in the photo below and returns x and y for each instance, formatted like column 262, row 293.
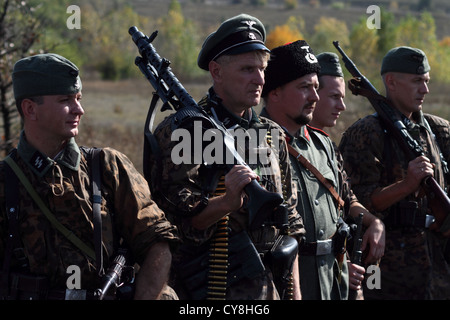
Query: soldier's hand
column 418, row 169
column 355, row 275
column 235, row 181
column 374, row 237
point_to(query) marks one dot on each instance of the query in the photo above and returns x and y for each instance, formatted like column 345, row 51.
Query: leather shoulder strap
column 61, row 228
column 308, row 165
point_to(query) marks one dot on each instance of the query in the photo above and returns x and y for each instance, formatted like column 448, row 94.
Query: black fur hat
column 289, row 62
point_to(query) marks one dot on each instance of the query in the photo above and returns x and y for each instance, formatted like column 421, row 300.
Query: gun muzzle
column 112, row 277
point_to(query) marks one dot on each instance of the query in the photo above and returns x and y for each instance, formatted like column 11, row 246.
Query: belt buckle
column 429, row 219
column 324, row 247
column 75, row 294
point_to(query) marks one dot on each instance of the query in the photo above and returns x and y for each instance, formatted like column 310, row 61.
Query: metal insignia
column 249, row 23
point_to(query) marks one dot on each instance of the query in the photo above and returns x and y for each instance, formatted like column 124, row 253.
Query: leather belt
column 318, row 248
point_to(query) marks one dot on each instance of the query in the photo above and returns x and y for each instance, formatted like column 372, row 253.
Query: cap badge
column 249, row 23
column 251, row 36
column 310, row 57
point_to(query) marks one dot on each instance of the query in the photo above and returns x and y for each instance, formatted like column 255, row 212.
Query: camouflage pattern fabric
column 413, row 266
column 179, row 188
column 127, row 211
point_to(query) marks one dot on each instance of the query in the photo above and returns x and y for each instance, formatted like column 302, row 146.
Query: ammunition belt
column 218, row 255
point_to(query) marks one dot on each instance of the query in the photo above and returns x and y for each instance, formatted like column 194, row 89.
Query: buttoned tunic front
column 318, row 273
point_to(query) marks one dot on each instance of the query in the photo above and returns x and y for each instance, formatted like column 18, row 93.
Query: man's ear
column 29, row 109
column 274, row 94
column 215, row 71
column 390, row 81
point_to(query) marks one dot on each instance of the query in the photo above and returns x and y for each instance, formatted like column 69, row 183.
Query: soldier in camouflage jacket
column 48, row 92
column 415, row 264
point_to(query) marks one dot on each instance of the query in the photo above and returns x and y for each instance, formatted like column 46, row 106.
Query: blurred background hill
column 115, row 94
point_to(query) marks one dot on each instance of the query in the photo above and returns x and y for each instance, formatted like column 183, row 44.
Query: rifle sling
column 308, row 165
column 67, row 233
column 96, row 207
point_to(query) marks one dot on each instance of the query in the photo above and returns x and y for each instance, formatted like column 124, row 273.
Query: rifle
column 438, row 200
column 356, row 255
column 174, row 96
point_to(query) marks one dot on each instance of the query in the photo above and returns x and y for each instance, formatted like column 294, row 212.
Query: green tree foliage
column 326, row 31
column 108, row 47
column 180, row 42
column 19, row 30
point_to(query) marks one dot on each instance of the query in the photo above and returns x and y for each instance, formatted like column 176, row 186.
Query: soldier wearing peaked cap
column 416, row 260
column 217, row 219
column 41, row 237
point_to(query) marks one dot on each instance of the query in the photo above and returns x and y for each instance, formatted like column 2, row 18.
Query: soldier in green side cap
column 416, row 260
column 235, row 56
column 37, row 256
column 328, row 109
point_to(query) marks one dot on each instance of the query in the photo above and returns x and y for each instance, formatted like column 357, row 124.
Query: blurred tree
column 106, row 44
column 386, row 34
column 178, row 40
column 282, row 35
column 326, row 31
column 289, row 32
column 363, row 49
column 19, row 29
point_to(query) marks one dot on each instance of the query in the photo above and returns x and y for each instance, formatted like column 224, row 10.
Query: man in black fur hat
column 290, row 95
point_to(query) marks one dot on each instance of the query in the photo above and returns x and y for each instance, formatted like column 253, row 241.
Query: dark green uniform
column 318, row 272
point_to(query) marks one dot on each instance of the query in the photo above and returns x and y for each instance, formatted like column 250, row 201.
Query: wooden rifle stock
column 438, row 200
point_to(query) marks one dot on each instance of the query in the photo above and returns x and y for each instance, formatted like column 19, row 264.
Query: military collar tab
column 303, row 133
column 40, row 164
column 318, row 130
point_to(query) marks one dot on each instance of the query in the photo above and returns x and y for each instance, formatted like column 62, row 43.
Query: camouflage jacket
column 414, row 265
column 373, row 159
column 181, row 185
column 64, row 184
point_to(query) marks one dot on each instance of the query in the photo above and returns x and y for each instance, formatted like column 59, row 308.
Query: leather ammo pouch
column 280, row 259
column 243, row 262
column 408, row 214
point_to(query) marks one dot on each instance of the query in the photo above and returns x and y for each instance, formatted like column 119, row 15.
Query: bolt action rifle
column 174, row 96
column 438, row 200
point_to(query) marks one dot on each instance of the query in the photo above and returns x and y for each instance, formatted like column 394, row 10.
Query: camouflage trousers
column 413, row 268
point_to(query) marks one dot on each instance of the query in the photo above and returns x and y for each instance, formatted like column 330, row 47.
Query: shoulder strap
column 13, row 242
column 308, row 165
column 96, row 207
column 67, row 233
